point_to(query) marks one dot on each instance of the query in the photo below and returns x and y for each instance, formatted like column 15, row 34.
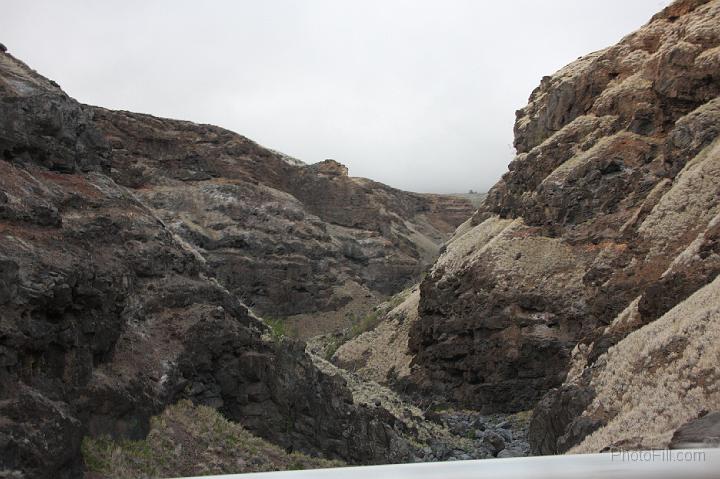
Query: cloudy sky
column 418, row 94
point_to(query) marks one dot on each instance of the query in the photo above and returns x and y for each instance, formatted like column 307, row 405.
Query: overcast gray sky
column 418, row 94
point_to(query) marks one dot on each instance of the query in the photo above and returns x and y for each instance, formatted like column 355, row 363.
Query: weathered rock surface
column 285, row 237
column 443, row 434
column 188, row 440
column 702, row 432
column 381, row 354
column 656, row 379
column 606, row 220
column 125, row 244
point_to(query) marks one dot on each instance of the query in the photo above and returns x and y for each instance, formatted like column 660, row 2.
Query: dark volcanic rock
column 112, row 301
column 274, row 390
column 557, row 424
column 703, row 432
column 41, row 125
column 284, row 236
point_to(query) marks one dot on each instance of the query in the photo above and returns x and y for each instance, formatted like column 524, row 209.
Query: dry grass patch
column 660, row 376
column 380, row 352
column 188, row 440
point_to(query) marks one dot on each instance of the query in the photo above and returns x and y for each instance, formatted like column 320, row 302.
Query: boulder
column 700, row 433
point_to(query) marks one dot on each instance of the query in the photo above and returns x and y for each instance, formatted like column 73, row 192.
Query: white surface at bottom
column 675, row 464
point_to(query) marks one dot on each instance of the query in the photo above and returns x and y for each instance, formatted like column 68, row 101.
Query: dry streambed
column 436, row 433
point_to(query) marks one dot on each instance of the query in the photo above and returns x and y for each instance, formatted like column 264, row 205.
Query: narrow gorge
column 166, row 284
column 584, row 287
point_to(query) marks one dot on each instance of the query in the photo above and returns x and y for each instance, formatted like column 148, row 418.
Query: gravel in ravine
column 496, row 435
column 441, row 434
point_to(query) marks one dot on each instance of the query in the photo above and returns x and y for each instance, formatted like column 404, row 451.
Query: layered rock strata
column 127, row 244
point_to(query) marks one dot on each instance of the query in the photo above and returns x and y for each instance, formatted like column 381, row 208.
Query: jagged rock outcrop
column 606, row 220
column 114, row 232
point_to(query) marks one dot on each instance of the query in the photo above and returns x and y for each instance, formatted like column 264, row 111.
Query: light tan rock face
column 381, row 354
column 283, row 236
column 657, row 378
column 605, row 221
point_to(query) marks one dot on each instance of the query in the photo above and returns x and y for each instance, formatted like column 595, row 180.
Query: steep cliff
column 126, row 243
column 283, row 236
column 606, row 220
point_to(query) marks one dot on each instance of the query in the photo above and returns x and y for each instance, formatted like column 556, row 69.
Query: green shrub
column 277, row 328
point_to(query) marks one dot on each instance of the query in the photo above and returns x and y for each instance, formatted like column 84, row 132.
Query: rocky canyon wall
column 605, row 222
column 284, row 236
column 126, row 245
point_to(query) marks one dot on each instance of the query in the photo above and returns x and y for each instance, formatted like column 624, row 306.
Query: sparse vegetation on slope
column 188, row 440
column 327, row 345
column 659, row 377
column 439, row 432
column 381, row 354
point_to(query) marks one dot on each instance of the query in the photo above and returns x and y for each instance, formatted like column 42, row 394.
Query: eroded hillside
column 135, row 251
column 606, row 224
column 288, row 238
column 127, row 244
